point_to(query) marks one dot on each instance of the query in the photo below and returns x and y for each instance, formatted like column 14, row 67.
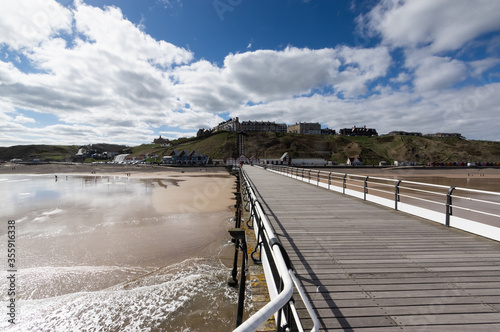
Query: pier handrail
column 284, row 269
column 439, row 201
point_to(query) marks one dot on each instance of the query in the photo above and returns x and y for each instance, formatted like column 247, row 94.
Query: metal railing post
column 239, row 235
column 258, row 247
column 365, row 188
column 449, row 210
column 396, row 195
column 344, row 183
column 318, row 178
column 233, row 282
column 250, row 218
column 329, row 180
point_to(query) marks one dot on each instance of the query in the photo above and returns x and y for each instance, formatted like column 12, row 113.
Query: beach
column 127, row 247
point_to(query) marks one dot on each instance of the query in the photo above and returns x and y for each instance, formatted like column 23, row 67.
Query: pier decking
column 369, row 268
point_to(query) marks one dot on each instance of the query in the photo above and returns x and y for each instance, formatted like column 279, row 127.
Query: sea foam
column 157, row 300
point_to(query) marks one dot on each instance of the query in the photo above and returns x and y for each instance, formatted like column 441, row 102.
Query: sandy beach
column 119, row 237
column 195, row 202
column 102, row 169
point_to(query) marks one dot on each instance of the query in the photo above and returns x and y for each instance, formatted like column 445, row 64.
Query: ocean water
column 93, row 254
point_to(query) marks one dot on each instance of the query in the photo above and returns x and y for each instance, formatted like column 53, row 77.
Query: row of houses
column 304, row 128
column 308, row 128
column 185, row 158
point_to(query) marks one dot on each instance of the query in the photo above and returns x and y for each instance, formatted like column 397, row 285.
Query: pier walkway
column 369, row 268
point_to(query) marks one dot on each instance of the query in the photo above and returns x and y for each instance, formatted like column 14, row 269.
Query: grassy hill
column 41, row 152
column 372, row 149
column 270, row 145
column 338, row 148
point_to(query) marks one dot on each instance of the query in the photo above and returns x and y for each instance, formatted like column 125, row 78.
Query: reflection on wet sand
column 107, row 252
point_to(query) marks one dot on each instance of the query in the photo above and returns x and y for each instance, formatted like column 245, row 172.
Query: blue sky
column 79, row 72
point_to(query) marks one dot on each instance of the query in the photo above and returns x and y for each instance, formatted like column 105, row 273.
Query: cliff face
column 270, row 145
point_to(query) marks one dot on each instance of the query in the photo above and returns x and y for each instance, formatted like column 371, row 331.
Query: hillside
column 372, row 150
column 41, row 152
column 47, row 153
column 338, row 148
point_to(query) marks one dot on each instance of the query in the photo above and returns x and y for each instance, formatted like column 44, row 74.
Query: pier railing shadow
column 471, row 210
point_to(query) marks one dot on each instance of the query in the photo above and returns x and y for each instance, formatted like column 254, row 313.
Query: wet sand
column 102, row 243
column 192, row 207
column 102, row 169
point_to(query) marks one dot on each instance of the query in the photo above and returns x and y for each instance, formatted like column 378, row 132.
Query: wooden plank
column 444, row 319
column 347, row 312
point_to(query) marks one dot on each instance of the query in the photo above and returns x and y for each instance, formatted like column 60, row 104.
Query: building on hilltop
column 263, row 126
column 305, row 128
column 356, row 131
column 229, row 125
column 328, row 131
column 403, row 133
column 161, row 141
column 234, row 125
column 203, row 132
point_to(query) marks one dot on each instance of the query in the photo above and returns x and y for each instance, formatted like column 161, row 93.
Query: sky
column 126, row 71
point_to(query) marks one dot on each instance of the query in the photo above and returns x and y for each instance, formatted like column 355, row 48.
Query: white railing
column 280, row 277
column 474, row 211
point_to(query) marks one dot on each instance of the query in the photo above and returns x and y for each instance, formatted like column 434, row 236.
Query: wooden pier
column 369, row 268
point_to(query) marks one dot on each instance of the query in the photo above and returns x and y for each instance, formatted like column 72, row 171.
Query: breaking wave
column 184, row 296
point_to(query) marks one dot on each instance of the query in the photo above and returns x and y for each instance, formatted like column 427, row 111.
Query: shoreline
column 143, row 171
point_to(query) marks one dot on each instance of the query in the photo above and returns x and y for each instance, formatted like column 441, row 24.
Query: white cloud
column 438, row 25
column 266, row 75
column 401, row 78
column 112, row 74
column 426, row 30
column 177, row 134
column 436, row 73
column 113, row 33
column 25, row 24
column 23, row 119
column 480, row 66
column 361, row 67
